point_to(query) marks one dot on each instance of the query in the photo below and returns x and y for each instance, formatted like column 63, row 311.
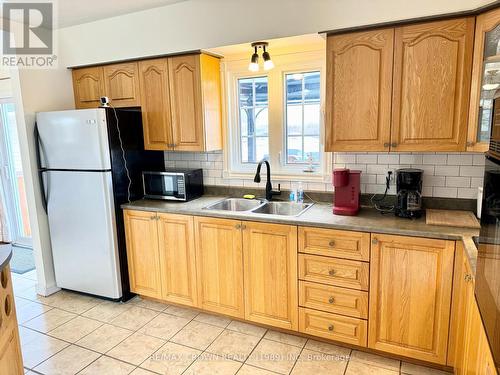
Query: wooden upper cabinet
column 142, row 253
column 219, row 260
column 88, row 87
column 270, row 274
column 121, row 82
column 358, row 91
column 485, row 79
column 195, row 102
column 432, row 75
column 155, row 102
column 177, row 258
column 410, row 296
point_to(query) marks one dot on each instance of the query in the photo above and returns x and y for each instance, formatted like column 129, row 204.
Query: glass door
column 12, row 178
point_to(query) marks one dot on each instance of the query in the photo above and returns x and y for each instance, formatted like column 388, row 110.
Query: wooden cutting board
column 452, row 218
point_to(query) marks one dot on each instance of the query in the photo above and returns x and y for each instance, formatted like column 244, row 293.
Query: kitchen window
column 276, row 115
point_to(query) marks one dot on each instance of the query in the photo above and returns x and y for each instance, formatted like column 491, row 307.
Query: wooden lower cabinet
column 177, row 258
column 219, row 263
column 410, row 296
column 270, row 274
column 11, row 362
column 141, row 232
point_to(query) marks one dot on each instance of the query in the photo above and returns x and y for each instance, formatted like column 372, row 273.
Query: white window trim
column 284, row 64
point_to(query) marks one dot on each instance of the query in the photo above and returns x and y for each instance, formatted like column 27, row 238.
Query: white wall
column 191, row 25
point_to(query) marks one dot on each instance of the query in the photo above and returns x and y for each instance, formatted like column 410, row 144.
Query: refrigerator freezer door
column 83, row 232
column 76, row 139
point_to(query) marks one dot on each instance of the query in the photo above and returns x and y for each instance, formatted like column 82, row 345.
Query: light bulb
column 268, row 65
column 253, row 67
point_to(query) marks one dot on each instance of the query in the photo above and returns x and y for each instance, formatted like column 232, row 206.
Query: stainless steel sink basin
column 282, row 208
column 236, row 204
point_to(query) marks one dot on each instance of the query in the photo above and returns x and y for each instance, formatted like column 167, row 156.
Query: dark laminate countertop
column 320, row 215
column 5, row 255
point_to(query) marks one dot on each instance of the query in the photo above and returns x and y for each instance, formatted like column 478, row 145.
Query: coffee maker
column 409, row 192
column 347, row 191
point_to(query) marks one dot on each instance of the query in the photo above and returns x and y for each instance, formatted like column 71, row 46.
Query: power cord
column 377, row 202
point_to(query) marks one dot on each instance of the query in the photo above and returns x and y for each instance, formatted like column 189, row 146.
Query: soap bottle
column 300, row 193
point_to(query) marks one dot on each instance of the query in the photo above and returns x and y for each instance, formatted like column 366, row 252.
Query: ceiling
column 74, row 12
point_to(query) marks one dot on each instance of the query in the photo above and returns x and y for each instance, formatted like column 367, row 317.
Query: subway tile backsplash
column 446, row 175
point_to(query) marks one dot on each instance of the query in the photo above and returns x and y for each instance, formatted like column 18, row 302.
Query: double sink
column 260, row 206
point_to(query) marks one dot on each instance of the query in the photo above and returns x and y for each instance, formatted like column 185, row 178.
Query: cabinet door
column 432, row 73
column 410, row 296
column 142, row 253
column 485, row 79
column 121, row 82
column 88, row 87
column 177, row 258
column 10, row 352
column 185, row 97
column 359, row 90
column 219, row 260
column 270, row 274
column 155, row 103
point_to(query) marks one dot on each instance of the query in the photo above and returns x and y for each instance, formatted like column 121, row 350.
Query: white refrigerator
column 83, row 163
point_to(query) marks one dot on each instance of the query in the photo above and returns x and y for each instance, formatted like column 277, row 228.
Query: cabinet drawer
column 333, row 299
column 332, row 271
column 333, row 326
column 335, row 243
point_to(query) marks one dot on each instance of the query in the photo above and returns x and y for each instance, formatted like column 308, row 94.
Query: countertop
column 320, row 215
column 5, row 255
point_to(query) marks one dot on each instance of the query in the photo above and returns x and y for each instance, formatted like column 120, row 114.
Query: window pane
column 253, row 118
column 302, row 117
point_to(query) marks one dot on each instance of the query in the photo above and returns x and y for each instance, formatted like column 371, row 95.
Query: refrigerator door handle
column 38, row 147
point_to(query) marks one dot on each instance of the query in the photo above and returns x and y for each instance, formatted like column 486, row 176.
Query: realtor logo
column 28, row 28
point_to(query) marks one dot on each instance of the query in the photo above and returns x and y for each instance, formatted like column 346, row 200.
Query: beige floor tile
column 247, row 328
column 134, row 318
column 215, row 320
column 164, row 326
column 136, row 348
column 411, row 369
column 104, row 338
column 28, row 335
column 30, row 310
column 19, row 284
column 250, row 370
column 75, row 329
column 107, row 366
column 106, row 311
column 197, row 335
column 41, row 348
column 213, row 365
column 75, row 303
column 233, row 345
column 360, row 368
column 141, row 371
column 149, row 304
column 48, row 321
column 29, row 294
column 171, row 359
column 30, row 275
column 183, row 312
column 274, row 356
column 326, row 348
column 285, row 338
column 19, row 301
column 68, row 361
column 375, row 360
column 317, row 363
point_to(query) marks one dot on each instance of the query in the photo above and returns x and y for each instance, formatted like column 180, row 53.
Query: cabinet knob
column 468, row 277
column 386, row 144
column 330, row 327
column 243, row 227
column 153, row 217
column 331, row 300
column 394, row 144
column 374, row 241
column 331, row 243
column 332, row 272
column 237, row 226
column 470, row 144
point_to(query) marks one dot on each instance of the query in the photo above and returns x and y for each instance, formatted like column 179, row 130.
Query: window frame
column 302, row 62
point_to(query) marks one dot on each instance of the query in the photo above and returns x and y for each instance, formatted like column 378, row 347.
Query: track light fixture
column 254, row 61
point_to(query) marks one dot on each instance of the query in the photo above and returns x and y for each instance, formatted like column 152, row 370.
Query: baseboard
column 47, row 291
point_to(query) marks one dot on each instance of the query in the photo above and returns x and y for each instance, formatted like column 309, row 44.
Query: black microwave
column 173, row 184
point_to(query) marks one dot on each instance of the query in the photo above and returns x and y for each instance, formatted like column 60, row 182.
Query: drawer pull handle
column 330, row 327
column 237, row 226
column 374, row 241
column 331, row 300
column 332, row 272
column 243, row 226
column 331, row 243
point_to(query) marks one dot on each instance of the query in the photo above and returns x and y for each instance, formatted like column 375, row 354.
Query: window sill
column 305, row 177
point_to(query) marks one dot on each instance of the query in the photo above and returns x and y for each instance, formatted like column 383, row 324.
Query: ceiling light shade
column 268, row 63
column 254, row 61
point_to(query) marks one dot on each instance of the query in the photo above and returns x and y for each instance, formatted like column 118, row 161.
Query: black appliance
column 409, row 192
column 173, row 184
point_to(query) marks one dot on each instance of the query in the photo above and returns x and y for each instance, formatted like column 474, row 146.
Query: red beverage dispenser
column 347, row 191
